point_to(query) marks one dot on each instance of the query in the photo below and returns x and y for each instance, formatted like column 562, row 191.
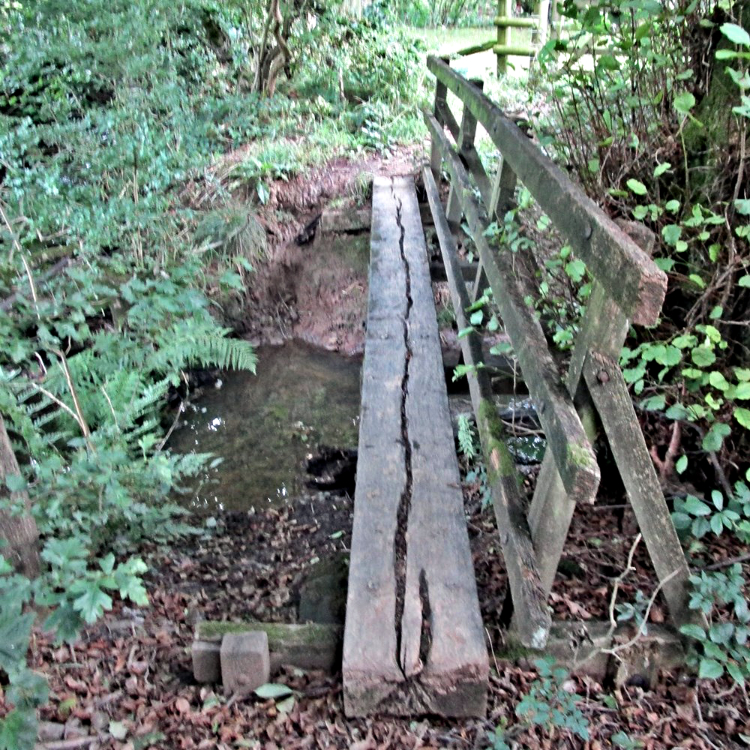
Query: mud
column 314, row 291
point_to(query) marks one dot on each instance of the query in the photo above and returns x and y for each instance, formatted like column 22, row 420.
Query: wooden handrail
column 632, row 279
column 567, row 438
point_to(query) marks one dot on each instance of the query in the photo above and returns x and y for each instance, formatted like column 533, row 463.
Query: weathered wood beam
column 551, row 509
column 447, row 118
column 615, row 408
column 529, row 599
column 629, row 275
column 567, row 440
column 464, row 142
column 414, row 641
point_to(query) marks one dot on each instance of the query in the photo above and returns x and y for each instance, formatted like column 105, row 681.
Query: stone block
column 245, row 661
column 207, row 661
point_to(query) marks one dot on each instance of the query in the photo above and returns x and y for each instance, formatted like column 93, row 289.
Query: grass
column 444, row 41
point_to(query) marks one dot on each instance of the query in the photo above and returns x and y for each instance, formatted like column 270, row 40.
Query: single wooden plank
column 432, row 657
column 476, row 48
column 441, row 111
column 447, row 118
column 503, row 192
column 528, row 597
column 441, row 588
column 345, row 220
column 479, row 174
column 369, row 657
column 615, row 408
column 566, row 438
column 630, row 277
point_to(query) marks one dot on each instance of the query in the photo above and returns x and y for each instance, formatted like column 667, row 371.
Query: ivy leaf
column 694, row 631
column 702, row 356
column 93, row 602
column 736, row 673
column 710, row 669
column 273, row 690
column 476, row 318
column 637, row 187
column 681, row 465
column 661, row 169
column 714, row 438
column 15, row 483
column 118, row 730
column 671, row 233
column 718, row 381
column 19, row 729
column 742, row 416
column 744, row 281
column 576, row 270
column 684, row 102
column 15, row 631
column 696, row 507
column 735, row 34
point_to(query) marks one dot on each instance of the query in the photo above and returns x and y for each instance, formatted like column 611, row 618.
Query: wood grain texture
column 432, row 659
column 529, row 600
column 629, row 275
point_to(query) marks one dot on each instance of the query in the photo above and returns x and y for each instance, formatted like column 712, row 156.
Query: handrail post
column 465, row 141
column 441, row 102
column 502, row 201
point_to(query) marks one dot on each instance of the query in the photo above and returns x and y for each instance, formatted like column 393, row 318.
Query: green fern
column 227, row 354
column 466, row 437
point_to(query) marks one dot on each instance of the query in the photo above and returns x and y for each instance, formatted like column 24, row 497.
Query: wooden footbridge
column 414, row 638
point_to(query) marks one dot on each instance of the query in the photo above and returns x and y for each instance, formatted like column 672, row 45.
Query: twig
column 31, row 284
column 492, row 651
column 614, row 651
column 613, row 602
column 727, row 563
column 180, row 409
column 69, row 380
column 56, row 400
column 14, row 239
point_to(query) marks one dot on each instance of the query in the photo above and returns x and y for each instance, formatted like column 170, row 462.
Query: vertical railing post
column 466, row 135
column 441, row 101
column 502, row 201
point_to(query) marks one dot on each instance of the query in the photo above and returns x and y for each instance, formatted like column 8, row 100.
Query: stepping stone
column 245, row 661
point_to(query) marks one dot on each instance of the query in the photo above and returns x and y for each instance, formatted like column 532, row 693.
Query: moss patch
column 491, row 431
column 579, row 455
column 280, row 635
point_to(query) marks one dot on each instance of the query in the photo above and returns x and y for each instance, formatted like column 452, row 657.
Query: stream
column 266, row 425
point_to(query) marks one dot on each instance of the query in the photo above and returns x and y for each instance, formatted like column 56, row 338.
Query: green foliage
column 723, row 647
column 467, row 440
column 547, row 704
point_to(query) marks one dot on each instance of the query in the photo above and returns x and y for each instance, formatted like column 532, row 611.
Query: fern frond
column 224, row 353
column 466, row 437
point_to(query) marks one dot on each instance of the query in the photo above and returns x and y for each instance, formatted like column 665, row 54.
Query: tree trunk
column 19, row 532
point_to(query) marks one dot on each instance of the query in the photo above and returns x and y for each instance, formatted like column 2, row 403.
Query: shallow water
column 266, row 425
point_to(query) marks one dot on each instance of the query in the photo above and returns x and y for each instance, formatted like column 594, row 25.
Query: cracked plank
column 409, row 534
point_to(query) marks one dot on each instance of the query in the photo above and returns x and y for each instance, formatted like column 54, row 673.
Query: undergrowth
column 119, row 226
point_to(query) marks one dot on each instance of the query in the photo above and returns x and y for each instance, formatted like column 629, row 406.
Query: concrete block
column 207, row 661
column 245, row 661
